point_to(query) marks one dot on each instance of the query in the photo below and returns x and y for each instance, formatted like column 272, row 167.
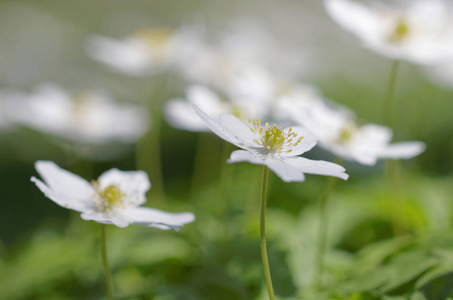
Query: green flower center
column 346, row 133
column 273, row 138
column 108, row 198
column 400, row 31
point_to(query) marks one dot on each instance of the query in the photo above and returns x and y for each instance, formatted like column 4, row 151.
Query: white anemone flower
column 115, row 198
column 86, row 118
column 146, row 52
column 418, row 31
column 180, row 113
column 337, row 131
column 272, row 146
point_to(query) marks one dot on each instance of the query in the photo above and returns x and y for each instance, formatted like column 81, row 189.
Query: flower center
column 108, row 198
column 156, row 40
column 346, row 133
column 284, row 88
column 400, row 31
column 273, row 139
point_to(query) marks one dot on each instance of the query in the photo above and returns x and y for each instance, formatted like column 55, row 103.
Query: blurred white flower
column 442, row 73
column 91, row 117
column 145, row 52
column 418, row 31
column 241, row 51
column 113, row 199
column 337, row 131
column 271, row 146
column 270, row 91
column 180, row 113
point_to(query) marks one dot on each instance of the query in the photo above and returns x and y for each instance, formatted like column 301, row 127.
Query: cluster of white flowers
column 233, row 84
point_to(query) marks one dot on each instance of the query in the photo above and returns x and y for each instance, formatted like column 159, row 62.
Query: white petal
column 286, row 172
column 403, row 150
column 238, row 128
column 151, row 217
column 220, row 130
column 180, row 114
column 205, row 99
column 243, row 155
column 364, row 157
column 116, row 219
column 65, row 184
column 308, row 141
column 134, row 184
column 128, row 55
column 64, row 200
column 318, row 167
column 373, row 134
column 355, row 17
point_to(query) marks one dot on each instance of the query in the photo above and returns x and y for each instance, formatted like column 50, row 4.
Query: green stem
column 323, row 231
column 108, row 276
column 267, row 271
column 389, row 99
column 392, row 168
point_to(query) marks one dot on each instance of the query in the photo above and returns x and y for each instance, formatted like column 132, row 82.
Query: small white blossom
column 145, row 52
column 337, row 131
column 272, row 146
column 90, row 117
column 418, row 31
column 180, row 113
column 115, row 198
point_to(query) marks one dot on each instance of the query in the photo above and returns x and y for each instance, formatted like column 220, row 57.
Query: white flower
column 269, row 91
column 442, row 73
column 419, row 31
column 271, row 146
column 90, row 117
column 143, row 53
column 336, row 129
column 180, row 113
column 113, row 199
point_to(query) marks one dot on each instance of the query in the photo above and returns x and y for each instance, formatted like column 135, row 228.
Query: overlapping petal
column 151, row 217
column 134, row 184
column 220, row 130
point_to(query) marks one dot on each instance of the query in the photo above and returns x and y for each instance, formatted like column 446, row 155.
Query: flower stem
column 389, row 99
column 393, row 168
column 322, row 233
column 107, row 274
column 267, row 272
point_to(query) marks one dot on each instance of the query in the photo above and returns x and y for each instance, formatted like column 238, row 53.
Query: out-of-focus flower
column 418, row 31
column 91, row 117
column 145, row 52
column 272, row 146
column 242, row 51
column 442, row 73
column 270, row 91
column 337, row 131
column 180, row 113
column 113, row 199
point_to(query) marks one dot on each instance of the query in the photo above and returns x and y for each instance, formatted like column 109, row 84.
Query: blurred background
column 54, row 51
